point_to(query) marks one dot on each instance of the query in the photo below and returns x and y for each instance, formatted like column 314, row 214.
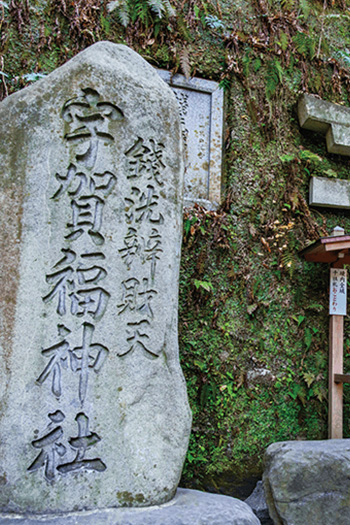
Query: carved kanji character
column 145, row 296
column 92, row 301
column 58, row 355
column 146, row 159
column 51, row 448
column 80, row 445
column 88, row 120
column 142, row 206
column 129, row 294
column 77, row 183
column 138, row 338
column 131, row 246
column 86, row 215
column 87, row 356
column 136, row 297
column 62, row 280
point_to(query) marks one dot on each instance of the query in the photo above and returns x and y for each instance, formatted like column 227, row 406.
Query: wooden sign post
column 336, row 337
column 336, row 251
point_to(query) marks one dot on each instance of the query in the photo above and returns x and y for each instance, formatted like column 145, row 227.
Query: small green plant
column 273, row 77
column 305, row 45
column 129, row 11
column 214, row 22
column 206, row 285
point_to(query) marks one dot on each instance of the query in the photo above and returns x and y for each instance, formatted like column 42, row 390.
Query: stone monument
column 94, row 409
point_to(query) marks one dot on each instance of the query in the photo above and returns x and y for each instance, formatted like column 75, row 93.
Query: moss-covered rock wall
column 253, row 315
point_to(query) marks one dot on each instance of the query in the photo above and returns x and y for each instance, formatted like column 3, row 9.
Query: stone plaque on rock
column 94, row 410
column 201, row 110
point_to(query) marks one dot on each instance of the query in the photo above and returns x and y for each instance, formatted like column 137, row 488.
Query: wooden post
column 335, row 391
column 334, row 250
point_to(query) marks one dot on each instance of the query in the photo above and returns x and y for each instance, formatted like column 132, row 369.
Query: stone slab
column 189, row 507
column 308, row 482
column 332, row 120
column 329, row 193
column 201, row 111
column 94, row 409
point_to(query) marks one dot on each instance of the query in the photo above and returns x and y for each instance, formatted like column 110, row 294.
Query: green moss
column 127, row 499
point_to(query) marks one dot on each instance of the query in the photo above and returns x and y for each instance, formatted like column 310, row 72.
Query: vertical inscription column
column 78, row 283
column 142, row 248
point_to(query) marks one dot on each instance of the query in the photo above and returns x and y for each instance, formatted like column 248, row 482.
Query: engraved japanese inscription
column 93, row 396
column 78, row 283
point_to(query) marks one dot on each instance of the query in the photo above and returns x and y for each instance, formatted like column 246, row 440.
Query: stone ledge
column 329, row 193
column 327, row 118
column 189, row 507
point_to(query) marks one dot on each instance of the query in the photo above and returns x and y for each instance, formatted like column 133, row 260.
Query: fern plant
column 274, row 76
column 146, row 11
column 290, row 262
column 305, row 45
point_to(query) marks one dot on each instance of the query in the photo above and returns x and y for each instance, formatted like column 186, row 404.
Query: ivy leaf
column 206, row 285
column 305, row 154
column 331, row 173
column 201, row 365
column 299, row 319
column 287, row 157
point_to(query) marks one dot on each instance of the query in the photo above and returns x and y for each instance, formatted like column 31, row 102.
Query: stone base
column 189, row 507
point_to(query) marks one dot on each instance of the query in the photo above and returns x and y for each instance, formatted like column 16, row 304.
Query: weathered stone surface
column 201, row 111
column 94, row 409
column 257, row 503
column 260, row 376
column 330, row 119
column 308, row 482
column 329, row 193
column 189, row 507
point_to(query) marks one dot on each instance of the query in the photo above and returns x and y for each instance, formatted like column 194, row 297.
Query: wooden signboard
column 337, row 291
column 334, row 250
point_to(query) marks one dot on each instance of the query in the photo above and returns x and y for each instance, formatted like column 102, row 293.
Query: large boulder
column 308, row 482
